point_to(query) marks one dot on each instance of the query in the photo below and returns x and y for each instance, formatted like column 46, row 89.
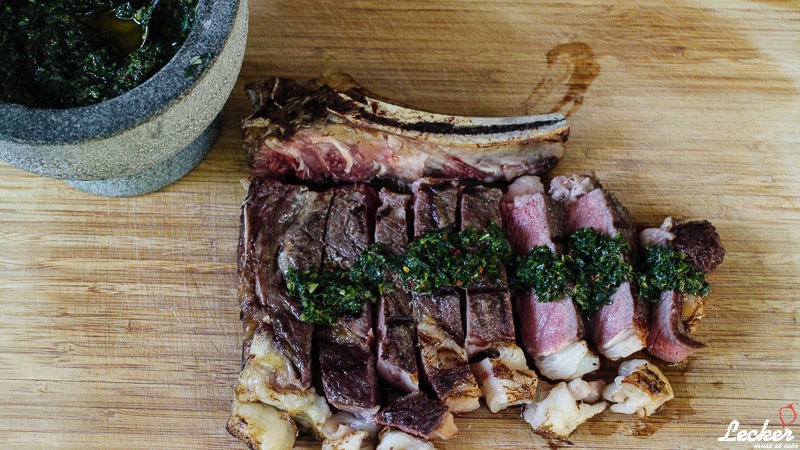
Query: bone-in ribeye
column 330, row 129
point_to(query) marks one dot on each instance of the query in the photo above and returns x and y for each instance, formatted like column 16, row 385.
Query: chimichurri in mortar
column 67, row 53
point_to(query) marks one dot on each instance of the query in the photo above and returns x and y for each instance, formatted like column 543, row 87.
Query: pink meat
column 668, row 340
column 546, row 327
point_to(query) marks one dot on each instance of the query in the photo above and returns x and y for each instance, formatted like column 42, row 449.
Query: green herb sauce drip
column 68, row 53
column 598, row 268
column 542, row 271
column 666, row 269
column 436, row 260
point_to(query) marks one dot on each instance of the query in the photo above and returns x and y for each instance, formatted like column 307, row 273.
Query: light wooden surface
column 118, row 319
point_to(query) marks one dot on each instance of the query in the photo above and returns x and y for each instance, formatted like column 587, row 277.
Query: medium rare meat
column 346, row 359
column 397, row 355
column 330, row 129
column 668, row 337
column 418, row 415
column 618, row 329
column 440, row 333
column 552, row 332
column 502, row 373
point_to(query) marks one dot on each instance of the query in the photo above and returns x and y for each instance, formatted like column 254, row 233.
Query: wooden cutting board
column 118, row 320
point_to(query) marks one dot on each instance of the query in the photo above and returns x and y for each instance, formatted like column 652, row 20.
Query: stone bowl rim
column 69, row 126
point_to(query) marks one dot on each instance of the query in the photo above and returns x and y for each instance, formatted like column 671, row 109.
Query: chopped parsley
column 590, row 272
column 448, row 258
column 67, row 53
column 666, row 269
column 598, row 268
column 436, row 260
column 542, row 271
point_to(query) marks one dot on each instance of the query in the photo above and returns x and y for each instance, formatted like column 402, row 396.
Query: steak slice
column 435, row 205
column 288, row 215
column 330, row 129
column 501, row 369
column 347, row 362
column 397, row 356
column 444, row 360
column 620, row 328
column 552, row 332
column 419, row 415
column 668, row 334
column 479, row 208
column 440, row 333
column 276, row 366
column 490, row 320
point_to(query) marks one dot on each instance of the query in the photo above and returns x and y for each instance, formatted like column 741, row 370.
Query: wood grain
column 119, row 325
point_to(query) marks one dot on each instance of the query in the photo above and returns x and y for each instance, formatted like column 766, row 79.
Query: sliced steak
column 479, row 208
column 443, row 358
column 501, row 372
column 490, row 320
column 619, row 328
column 276, row 367
column 332, row 130
column 440, row 333
column 552, row 332
column 668, row 337
column 435, row 205
column 419, row 415
column 347, row 362
column 287, row 218
column 397, row 355
column 351, row 222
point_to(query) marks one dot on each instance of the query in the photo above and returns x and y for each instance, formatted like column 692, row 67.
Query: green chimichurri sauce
column 666, row 269
column 589, row 273
column 67, row 53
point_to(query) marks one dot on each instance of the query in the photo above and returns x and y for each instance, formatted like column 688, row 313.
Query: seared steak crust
column 701, row 244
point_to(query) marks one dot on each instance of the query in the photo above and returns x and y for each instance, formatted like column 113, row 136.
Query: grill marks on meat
column 397, row 355
column 346, row 358
column 440, row 332
column 330, row 129
column 435, row 205
column 620, row 328
column 668, row 338
column 552, row 332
